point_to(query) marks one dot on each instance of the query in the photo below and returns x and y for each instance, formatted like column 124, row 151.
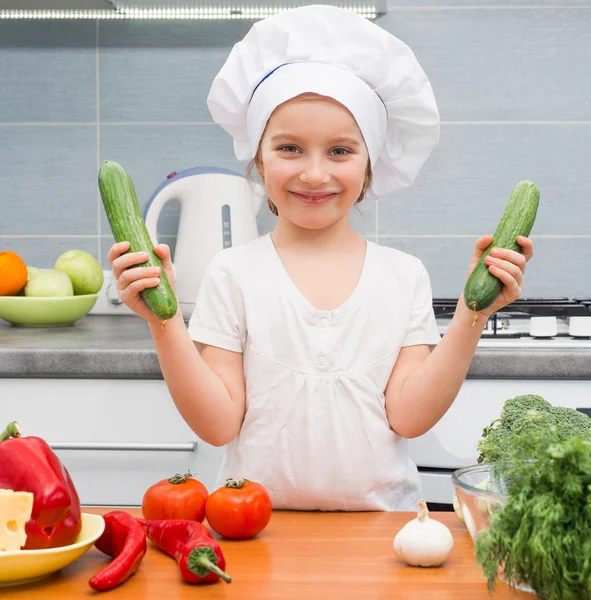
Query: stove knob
column 543, row 327
column 579, row 327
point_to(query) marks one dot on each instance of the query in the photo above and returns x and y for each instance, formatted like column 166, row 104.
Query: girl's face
column 313, row 161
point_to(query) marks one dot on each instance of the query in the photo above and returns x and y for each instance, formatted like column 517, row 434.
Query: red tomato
column 239, row 510
column 180, row 497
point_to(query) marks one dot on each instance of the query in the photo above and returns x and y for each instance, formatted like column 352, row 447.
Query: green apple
column 83, row 269
column 49, row 282
column 32, row 271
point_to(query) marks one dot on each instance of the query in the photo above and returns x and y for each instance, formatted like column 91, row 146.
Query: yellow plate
column 25, row 566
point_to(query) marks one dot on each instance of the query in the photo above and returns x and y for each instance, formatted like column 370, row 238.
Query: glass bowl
column 480, row 494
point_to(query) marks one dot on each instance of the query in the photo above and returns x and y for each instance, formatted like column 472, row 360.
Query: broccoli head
column 530, row 414
column 528, row 406
column 494, row 444
column 572, row 423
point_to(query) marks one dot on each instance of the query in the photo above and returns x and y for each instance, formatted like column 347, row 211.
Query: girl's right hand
column 130, row 282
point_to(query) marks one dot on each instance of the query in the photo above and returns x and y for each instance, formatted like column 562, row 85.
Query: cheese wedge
column 15, row 511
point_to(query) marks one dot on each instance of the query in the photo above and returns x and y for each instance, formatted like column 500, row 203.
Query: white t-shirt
column 315, row 432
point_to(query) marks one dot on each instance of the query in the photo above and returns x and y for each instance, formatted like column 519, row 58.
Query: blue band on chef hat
column 266, row 77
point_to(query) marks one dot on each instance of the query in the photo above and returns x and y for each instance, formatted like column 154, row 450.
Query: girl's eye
column 290, row 149
column 341, row 151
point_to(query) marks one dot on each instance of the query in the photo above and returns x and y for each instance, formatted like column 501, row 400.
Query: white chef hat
column 337, row 53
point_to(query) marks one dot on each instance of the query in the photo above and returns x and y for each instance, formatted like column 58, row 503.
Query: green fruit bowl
column 29, row 311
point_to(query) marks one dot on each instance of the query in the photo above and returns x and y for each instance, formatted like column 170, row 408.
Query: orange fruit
column 13, row 273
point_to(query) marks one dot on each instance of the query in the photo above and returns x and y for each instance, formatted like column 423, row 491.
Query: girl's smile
column 314, row 198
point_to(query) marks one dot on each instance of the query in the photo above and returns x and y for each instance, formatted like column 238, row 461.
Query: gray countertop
column 104, row 347
column 120, row 347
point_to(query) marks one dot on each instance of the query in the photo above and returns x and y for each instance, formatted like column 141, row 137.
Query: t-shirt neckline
column 354, row 298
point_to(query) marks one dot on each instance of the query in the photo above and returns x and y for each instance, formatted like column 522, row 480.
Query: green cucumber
column 482, row 286
column 127, row 224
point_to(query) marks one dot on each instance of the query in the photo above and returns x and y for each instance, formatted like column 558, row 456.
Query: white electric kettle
column 218, row 209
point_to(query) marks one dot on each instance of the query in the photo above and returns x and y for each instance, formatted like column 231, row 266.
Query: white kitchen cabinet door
column 116, row 437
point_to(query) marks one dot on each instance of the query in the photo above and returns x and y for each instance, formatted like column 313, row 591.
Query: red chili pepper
column 125, row 540
column 28, row 464
column 198, row 555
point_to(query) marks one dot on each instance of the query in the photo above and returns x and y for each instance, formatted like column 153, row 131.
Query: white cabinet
column 116, row 437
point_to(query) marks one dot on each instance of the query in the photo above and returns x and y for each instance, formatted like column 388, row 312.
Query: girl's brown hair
column 256, row 163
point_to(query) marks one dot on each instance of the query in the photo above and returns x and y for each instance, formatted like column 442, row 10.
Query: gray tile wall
column 511, row 80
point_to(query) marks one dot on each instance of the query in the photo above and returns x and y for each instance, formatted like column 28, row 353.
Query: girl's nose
column 314, row 172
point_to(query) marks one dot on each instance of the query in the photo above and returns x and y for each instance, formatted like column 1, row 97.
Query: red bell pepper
column 123, row 539
column 28, row 464
column 198, row 555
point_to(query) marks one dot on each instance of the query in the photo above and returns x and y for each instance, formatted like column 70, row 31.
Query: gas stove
column 530, row 322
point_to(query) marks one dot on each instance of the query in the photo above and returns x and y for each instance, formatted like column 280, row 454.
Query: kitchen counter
column 120, row 347
column 299, row 555
column 103, row 347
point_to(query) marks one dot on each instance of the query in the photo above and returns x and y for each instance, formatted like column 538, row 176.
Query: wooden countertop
column 300, row 556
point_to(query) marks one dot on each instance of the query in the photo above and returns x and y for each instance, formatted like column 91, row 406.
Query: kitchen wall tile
column 526, row 64
column 557, row 269
column 48, row 71
column 42, row 252
column 446, row 260
column 161, row 71
column 48, row 180
column 465, row 184
column 363, row 218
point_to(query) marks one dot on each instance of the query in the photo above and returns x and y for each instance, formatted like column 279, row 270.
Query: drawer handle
column 189, row 447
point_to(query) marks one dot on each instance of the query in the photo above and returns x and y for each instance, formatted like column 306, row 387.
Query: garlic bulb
column 423, row 542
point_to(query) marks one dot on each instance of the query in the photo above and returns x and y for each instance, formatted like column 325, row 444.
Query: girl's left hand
column 506, row 265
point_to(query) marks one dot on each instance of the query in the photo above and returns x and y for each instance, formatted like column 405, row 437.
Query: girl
column 309, row 351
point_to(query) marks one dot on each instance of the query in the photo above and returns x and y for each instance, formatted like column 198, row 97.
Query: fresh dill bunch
column 542, row 535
